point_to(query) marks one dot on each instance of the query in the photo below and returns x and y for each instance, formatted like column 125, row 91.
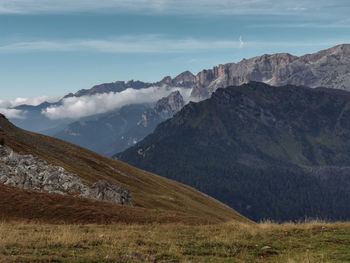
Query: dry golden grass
column 314, row 242
column 18, row 204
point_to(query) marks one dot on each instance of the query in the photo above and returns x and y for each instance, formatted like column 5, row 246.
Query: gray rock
column 164, row 109
column 328, row 68
column 28, row 172
column 106, row 191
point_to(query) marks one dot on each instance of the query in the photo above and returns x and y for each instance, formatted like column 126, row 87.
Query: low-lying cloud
column 13, row 113
column 7, row 106
column 78, row 107
column 34, row 101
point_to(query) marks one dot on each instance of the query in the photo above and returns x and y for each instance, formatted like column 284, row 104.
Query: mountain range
column 327, row 68
column 274, row 148
column 279, row 153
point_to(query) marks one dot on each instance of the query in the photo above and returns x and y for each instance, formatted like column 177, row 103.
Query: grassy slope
column 18, row 205
column 230, row 242
column 149, row 191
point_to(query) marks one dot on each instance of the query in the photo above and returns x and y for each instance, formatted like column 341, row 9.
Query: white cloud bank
column 78, row 107
column 13, row 113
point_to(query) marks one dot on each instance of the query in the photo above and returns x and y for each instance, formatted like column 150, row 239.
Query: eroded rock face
column 106, row 191
column 328, row 68
column 164, row 109
column 29, row 172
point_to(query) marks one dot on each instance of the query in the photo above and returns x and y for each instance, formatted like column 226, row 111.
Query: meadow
column 311, row 242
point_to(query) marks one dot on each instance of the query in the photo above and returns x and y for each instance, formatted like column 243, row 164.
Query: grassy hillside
column 149, row 191
column 229, row 242
column 18, row 205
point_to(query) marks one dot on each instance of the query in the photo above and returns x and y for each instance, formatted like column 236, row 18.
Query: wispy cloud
column 169, row 6
column 149, row 44
column 77, row 107
column 241, row 43
column 135, row 44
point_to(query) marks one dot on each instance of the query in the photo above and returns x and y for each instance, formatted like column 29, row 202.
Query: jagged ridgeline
column 281, row 153
column 49, row 166
column 327, row 68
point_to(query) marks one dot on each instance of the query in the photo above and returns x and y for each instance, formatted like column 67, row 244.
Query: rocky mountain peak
column 164, row 109
column 328, row 68
column 343, row 48
column 166, row 80
column 170, row 104
column 185, row 78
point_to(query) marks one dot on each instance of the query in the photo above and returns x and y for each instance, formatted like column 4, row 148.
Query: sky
column 49, row 48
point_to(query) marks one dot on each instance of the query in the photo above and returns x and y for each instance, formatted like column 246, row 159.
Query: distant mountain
column 37, row 122
column 116, row 131
column 36, row 159
column 104, row 133
column 328, row 68
column 184, row 80
column 281, row 153
column 164, row 109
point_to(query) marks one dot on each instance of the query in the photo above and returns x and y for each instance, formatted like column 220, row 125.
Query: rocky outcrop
column 328, row 68
column 29, row 172
column 164, row 109
column 106, row 191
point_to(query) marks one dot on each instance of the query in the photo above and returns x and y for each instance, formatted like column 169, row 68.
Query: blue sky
column 53, row 47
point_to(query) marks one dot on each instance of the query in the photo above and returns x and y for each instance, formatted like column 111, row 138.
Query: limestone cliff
column 328, row 68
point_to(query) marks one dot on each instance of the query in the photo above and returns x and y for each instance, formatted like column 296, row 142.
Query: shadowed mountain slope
column 149, row 191
column 269, row 152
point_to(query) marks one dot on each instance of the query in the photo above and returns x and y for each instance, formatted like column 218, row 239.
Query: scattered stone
column 28, row 172
column 265, row 247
